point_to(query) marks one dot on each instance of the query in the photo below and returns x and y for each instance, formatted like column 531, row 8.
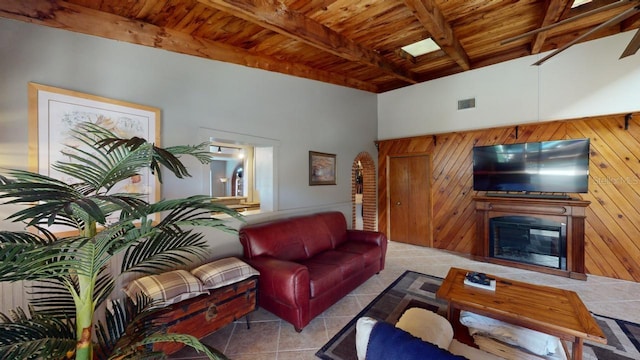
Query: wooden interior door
column 410, row 199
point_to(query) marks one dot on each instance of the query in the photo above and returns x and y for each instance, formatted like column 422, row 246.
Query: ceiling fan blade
column 565, row 21
column 633, row 45
column 614, row 20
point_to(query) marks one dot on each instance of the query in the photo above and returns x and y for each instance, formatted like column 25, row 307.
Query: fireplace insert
column 530, row 240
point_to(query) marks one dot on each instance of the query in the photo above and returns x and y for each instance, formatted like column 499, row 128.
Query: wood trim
column 431, row 17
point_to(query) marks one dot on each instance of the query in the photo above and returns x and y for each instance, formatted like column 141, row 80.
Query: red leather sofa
column 308, row 263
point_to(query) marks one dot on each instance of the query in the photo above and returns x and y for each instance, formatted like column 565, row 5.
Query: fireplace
column 545, row 235
column 529, row 240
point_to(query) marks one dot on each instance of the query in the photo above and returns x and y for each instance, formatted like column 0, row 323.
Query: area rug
column 413, row 289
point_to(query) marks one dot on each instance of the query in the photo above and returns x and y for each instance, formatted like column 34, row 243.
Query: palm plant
column 69, row 272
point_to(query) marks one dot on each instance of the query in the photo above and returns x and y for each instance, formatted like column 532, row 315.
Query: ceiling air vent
column 466, row 103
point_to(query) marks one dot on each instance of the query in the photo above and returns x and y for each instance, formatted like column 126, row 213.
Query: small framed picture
column 322, row 168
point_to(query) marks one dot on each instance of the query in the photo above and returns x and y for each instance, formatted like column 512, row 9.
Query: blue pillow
column 388, row 342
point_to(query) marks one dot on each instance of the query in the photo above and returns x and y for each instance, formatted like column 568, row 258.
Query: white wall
column 300, row 114
column 192, row 93
column 585, row 80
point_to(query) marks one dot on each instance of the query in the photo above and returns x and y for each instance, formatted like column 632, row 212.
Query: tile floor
column 270, row 338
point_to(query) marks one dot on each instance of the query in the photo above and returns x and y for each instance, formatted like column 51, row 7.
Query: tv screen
column 549, row 166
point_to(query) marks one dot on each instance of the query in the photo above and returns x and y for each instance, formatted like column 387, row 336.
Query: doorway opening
column 363, row 193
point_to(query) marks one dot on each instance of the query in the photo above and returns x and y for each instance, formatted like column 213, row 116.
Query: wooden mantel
column 570, row 212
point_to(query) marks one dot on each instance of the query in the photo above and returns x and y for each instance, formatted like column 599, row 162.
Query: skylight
column 421, row 47
column 577, row 3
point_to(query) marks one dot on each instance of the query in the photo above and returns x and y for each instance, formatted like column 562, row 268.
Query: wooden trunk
column 205, row 314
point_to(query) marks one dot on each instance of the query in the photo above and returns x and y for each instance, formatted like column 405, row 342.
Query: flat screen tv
column 560, row 166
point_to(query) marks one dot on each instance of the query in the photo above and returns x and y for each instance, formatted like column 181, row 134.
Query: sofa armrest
column 284, row 280
column 374, row 237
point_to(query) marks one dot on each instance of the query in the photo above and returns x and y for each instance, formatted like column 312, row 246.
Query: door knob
column 398, row 203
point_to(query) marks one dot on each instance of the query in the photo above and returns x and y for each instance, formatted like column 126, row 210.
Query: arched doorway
column 363, row 193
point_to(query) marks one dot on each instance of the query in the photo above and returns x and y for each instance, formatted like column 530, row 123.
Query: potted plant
column 69, row 272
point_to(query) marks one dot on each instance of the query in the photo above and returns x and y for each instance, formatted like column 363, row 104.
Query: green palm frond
column 50, row 198
column 100, row 167
column 122, row 318
column 57, row 203
column 105, row 284
column 194, row 211
column 187, row 340
column 52, row 298
column 20, row 252
column 128, row 203
column 162, row 251
column 24, row 337
column 41, row 259
column 13, row 246
column 200, row 151
column 167, row 157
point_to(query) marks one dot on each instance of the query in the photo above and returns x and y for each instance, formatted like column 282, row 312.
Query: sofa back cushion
column 296, row 238
column 336, row 227
column 277, row 238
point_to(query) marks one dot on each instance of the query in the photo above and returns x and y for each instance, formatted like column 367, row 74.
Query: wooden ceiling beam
column 430, row 16
column 553, row 12
column 276, row 17
column 631, row 23
column 67, row 16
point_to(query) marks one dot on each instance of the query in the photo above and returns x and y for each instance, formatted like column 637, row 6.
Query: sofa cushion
column 370, row 253
column 337, row 226
column 223, row 272
column 389, row 342
column 279, row 239
column 292, row 239
column 167, row 288
column 322, row 277
column 314, row 234
column 348, row 263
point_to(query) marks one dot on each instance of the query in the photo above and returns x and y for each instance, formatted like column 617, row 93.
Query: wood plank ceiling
column 345, row 42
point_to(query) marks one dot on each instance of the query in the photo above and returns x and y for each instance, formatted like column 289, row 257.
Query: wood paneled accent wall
column 612, row 231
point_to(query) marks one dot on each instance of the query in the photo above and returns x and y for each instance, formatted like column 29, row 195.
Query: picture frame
column 53, row 112
column 322, row 168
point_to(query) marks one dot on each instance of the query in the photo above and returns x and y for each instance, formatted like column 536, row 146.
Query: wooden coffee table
column 546, row 309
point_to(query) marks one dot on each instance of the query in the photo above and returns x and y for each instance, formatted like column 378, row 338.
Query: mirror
column 241, row 174
column 227, row 170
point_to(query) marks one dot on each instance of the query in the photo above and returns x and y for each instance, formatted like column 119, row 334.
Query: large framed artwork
column 322, row 168
column 54, row 112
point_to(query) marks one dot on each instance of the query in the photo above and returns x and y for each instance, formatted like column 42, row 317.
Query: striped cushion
column 223, row 272
column 166, row 288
